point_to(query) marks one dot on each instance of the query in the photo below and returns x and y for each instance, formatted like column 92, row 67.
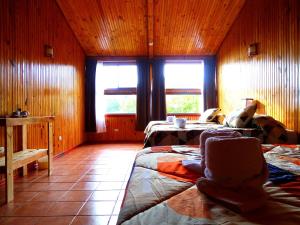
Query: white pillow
column 241, row 117
column 209, row 115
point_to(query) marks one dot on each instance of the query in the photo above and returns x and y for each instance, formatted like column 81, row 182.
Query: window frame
column 183, row 91
column 120, row 91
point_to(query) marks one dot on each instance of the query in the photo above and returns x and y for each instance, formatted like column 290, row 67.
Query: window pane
column 118, row 76
column 122, row 78
column 120, row 103
column 183, row 75
column 184, row 103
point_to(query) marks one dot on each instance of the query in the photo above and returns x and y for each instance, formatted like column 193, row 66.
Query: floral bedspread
column 162, row 191
column 159, row 133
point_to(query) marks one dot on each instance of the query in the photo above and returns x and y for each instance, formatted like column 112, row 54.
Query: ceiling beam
column 150, row 22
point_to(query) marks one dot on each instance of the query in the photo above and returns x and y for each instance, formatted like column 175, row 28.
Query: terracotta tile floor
column 86, row 188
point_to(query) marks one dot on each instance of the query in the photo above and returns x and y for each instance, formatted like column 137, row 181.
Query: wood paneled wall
column 39, row 84
column 272, row 76
column 122, row 128
column 118, row 128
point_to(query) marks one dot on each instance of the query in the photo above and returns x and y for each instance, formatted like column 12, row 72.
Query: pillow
column 209, row 115
column 220, row 118
column 274, row 131
column 241, row 117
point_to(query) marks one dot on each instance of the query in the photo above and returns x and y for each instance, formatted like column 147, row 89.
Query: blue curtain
column 143, row 94
column 90, row 110
column 209, row 92
column 158, row 101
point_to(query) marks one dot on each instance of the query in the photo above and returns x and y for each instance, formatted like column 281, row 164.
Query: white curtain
column 100, row 100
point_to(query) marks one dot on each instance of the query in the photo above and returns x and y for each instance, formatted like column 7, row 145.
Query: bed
column 161, row 191
column 161, row 133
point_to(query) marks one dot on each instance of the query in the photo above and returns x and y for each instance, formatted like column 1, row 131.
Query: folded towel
column 235, row 171
column 233, row 161
column 243, row 199
column 213, row 133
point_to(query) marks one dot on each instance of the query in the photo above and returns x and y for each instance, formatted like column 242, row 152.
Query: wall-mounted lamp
column 49, row 52
column 253, row 49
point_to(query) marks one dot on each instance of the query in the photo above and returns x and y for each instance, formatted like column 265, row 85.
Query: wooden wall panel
column 122, row 128
column 118, row 128
column 272, row 77
column 38, row 84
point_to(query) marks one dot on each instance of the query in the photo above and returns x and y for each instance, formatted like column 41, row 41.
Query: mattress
column 161, row 191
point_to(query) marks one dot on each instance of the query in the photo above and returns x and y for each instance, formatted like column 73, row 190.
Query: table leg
column 9, row 165
column 24, row 145
column 50, row 147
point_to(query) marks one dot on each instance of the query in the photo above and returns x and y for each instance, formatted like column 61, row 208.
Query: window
column 183, row 83
column 119, row 83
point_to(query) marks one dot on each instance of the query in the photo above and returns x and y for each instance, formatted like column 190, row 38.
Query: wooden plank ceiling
column 150, row 27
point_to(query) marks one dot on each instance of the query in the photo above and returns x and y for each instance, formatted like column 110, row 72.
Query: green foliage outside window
column 121, row 104
column 183, row 103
